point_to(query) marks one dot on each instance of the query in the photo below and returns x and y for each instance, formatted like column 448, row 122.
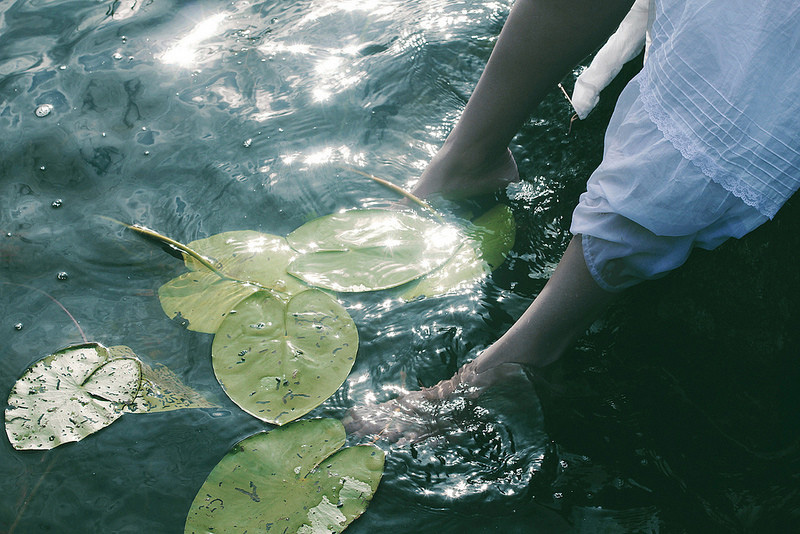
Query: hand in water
column 430, row 412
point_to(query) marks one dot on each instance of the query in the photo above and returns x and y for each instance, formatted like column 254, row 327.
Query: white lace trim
column 692, row 150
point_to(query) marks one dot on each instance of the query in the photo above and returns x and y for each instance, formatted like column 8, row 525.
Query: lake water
column 676, row 413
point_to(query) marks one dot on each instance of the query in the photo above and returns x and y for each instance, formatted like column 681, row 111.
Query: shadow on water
column 675, row 413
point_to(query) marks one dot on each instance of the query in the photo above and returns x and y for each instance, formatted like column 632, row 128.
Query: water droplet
column 57, row 203
column 63, row 275
column 44, row 110
column 117, row 56
column 247, row 143
column 18, row 326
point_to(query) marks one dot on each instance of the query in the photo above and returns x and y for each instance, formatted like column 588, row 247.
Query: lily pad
column 486, row 247
column 277, row 360
column 371, row 249
column 250, row 259
column 291, row 479
column 69, row 395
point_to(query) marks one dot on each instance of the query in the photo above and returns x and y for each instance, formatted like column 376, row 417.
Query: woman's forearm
column 539, row 43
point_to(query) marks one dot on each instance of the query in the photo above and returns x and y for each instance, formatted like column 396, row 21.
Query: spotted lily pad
column 371, row 249
column 291, row 479
column 278, row 360
column 249, row 259
column 69, row 395
column 485, row 248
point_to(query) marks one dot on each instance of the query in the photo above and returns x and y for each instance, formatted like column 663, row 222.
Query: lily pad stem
column 196, row 255
column 51, row 297
column 397, row 189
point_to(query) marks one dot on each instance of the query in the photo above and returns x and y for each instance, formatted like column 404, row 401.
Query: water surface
column 198, row 117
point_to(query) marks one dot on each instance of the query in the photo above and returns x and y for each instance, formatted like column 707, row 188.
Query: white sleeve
column 624, row 45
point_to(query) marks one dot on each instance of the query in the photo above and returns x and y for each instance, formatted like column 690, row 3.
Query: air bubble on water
column 44, row 110
column 18, row 326
column 63, row 275
column 216, row 412
column 247, row 142
column 57, row 203
column 117, row 56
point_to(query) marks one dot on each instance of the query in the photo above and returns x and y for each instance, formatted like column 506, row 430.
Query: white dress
column 704, row 143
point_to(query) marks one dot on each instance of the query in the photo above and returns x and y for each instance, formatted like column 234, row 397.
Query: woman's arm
column 540, row 41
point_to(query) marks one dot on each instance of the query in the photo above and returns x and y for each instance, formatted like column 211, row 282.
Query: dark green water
column 676, row 413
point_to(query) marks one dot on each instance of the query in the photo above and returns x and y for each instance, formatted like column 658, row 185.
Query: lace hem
column 691, row 150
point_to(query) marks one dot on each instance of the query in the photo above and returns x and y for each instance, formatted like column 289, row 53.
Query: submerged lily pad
column 495, row 232
column 277, row 360
column 369, row 250
column 69, row 395
column 291, row 479
column 162, row 390
column 202, row 298
column 486, row 247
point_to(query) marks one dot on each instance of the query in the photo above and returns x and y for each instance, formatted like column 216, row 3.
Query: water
column 675, row 414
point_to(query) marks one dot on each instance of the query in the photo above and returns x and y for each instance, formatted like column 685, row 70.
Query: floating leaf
column 68, row 395
column 249, row 259
column 278, row 360
column 489, row 241
column 461, row 271
column 369, row 250
column 291, row 479
column 161, row 390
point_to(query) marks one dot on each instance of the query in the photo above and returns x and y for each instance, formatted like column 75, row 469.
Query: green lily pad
column 291, row 479
column 250, row 259
column 69, row 395
column 486, row 247
column 369, row 250
column 462, row 271
column 277, row 360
